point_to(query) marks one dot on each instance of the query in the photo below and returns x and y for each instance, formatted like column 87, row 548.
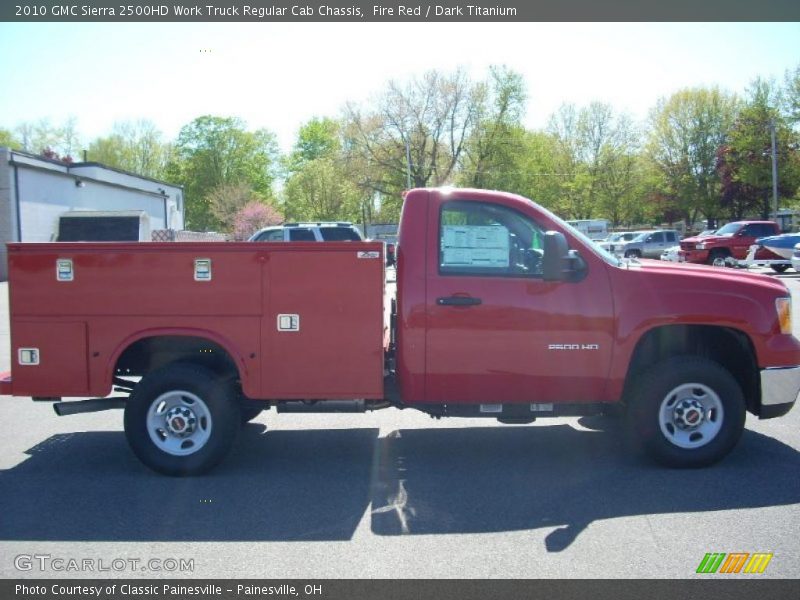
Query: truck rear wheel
column 686, row 411
column 182, row 419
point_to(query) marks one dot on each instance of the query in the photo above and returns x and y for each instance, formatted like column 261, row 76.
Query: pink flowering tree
column 252, row 217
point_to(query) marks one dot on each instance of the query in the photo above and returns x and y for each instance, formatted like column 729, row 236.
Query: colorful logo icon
column 735, row 562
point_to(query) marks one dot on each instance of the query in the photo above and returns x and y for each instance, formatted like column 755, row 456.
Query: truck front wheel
column 686, row 411
column 182, row 419
column 718, row 258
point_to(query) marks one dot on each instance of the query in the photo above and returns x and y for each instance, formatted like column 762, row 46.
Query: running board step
column 86, row 406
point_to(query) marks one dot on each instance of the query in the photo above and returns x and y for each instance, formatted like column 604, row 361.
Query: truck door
column 654, row 245
column 747, row 236
column 498, row 333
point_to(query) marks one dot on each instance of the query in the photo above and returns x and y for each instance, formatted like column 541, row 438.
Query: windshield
column 728, row 230
column 642, row 236
column 587, row 241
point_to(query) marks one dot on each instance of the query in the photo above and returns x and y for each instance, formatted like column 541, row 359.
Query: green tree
column 748, row 157
column 427, row 120
column 211, row 151
column 135, row 146
column 791, row 95
column 318, row 138
column 686, row 131
column 9, row 140
column 596, row 160
column 319, row 191
column 42, row 136
column 491, row 155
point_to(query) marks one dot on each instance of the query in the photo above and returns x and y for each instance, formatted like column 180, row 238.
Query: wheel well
column 150, row 353
column 730, row 348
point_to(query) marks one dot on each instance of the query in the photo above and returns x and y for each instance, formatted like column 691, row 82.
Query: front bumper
column 780, row 387
column 693, row 256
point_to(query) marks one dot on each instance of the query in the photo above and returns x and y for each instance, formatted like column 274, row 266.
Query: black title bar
column 228, row 589
column 391, row 11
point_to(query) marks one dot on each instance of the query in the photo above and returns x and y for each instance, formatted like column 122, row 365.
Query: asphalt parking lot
column 391, row 494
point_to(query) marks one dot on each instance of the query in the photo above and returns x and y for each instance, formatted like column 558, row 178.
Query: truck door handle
column 458, row 301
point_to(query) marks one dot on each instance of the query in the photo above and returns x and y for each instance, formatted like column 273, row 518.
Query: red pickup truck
column 502, row 310
column 730, row 241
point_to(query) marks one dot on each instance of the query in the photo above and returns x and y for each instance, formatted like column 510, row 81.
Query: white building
column 35, row 191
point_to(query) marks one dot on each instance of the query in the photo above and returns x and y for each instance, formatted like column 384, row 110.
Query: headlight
column 700, row 247
column 784, row 308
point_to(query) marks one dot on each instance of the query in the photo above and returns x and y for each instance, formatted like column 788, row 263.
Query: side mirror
column 559, row 262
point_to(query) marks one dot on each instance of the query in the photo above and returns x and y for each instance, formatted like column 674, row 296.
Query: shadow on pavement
column 317, row 485
column 282, row 485
column 435, row 481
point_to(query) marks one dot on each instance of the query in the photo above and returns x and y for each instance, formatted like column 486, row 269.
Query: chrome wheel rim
column 179, row 423
column 691, row 415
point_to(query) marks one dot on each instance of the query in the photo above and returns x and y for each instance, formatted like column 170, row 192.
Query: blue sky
column 280, row 75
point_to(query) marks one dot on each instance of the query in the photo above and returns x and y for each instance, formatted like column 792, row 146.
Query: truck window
column 758, row 230
column 339, row 234
column 763, row 230
column 95, row 228
column 275, row 235
column 301, row 235
column 488, row 239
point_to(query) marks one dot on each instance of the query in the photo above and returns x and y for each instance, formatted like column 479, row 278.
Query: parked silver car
column 615, row 240
column 309, row 232
column 649, row 244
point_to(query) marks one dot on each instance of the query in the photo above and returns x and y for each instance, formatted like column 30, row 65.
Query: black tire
column 717, row 255
column 633, row 254
column 248, row 412
column 206, row 405
column 654, row 420
column 779, row 268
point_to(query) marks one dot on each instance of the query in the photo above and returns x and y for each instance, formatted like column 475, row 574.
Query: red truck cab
column 502, row 310
column 730, row 241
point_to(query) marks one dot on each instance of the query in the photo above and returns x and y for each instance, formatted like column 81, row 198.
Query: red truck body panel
column 529, row 340
column 536, row 341
column 122, row 293
column 501, row 349
column 503, row 310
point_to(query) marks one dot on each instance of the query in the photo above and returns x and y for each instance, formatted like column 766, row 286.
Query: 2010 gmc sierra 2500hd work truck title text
column 502, row 310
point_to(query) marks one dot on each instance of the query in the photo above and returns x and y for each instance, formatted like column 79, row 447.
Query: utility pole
column 774, row 168
column 408, row 166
